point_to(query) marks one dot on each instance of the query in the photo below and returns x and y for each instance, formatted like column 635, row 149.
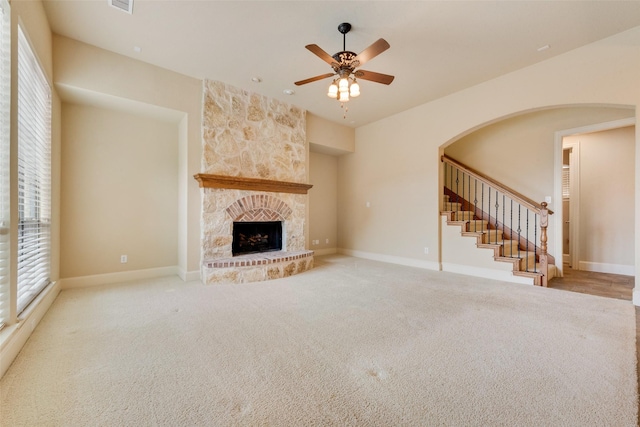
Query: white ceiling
column 437, row 47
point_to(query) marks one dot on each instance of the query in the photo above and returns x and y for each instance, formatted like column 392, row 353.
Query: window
column 5, row 103
column 34, row 175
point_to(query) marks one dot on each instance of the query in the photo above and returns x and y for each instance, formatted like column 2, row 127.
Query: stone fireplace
column 254, row 172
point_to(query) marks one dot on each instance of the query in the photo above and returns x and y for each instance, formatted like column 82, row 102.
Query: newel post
column 544, row 223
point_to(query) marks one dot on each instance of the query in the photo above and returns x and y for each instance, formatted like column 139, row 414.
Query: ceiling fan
column 344, row 66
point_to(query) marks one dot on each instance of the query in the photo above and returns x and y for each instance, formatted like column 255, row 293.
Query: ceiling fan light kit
column 344, row 64
column 343, row 89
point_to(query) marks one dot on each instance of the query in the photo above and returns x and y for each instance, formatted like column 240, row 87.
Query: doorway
column 598, row 243
column 570, row 202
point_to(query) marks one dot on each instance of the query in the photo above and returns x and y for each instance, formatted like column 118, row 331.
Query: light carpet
column 351, row 342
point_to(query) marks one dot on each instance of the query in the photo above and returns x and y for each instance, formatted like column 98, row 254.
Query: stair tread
column 502, row 243
column 506, row 247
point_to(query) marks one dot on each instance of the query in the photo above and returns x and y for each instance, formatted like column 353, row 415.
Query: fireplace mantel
column 252, row 184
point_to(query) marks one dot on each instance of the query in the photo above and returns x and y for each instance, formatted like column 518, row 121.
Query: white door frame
column 575, row 180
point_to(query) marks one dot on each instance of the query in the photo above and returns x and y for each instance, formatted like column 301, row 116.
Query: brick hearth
column 257, row 267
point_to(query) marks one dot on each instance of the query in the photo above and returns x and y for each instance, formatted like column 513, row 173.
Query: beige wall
column 98, row 74
column 381, row 196
column 529, row 140
column 396, row 161
column 606, row 198
column 120, row 192
column 323, row 203
column 328, row 137
column 327, row 141
column 519, row 151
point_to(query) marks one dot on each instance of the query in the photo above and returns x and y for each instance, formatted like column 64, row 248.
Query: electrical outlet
column 123, row 259
column 426, row 250
column 326, row 241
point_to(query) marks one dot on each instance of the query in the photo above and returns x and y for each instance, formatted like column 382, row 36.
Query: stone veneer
column 248, row 135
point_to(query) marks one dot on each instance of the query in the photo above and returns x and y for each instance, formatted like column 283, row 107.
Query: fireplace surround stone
column 223, row 207
column 254, row 168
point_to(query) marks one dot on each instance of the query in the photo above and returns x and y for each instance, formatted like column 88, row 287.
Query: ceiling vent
column 123, row 5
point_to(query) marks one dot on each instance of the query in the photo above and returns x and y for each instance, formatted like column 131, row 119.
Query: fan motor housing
column 344, row 57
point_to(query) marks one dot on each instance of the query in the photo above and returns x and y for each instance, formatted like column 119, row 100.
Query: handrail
column 540, row 211
column 535, row 206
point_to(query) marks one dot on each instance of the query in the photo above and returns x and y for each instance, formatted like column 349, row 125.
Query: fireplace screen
column 252, row 237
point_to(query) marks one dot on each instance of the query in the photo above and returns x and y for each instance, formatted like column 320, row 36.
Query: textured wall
column 248, row 135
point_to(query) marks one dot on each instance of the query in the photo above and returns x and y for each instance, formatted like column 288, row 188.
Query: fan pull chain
column 346, row 110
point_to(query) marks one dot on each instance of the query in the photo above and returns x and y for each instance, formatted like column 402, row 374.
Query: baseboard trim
column 124, row 276
column 599, row 267
column 409, row 262
column 192, row 276
column 486, row 273
column 189, row 276
column 13, row 337
column 329, row 251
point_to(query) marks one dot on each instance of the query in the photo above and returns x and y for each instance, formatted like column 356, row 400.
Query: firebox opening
column 253, row 237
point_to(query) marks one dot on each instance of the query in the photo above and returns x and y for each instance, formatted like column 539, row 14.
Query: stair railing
column 505, row 210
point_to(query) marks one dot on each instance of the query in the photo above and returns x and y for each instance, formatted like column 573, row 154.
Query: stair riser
column 511, row 250
column 451, row 206
column 524, row 265
column 463, row 215
column 492, row 236
column 527, row 259
column 477, row 225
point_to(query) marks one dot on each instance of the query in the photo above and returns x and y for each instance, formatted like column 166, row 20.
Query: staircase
column 505, row 248
column 485, row 210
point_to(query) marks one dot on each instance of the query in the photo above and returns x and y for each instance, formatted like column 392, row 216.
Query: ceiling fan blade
column 374, row 77
column 317, row 50
column 372, row 51
column 313, row 79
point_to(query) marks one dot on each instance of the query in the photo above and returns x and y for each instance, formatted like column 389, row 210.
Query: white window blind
column 5, row 119
column 34, row 175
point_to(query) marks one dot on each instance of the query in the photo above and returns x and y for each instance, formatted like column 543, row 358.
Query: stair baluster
column 491, row 230
column 503, row 209
column 496, row 224
column 535, row 239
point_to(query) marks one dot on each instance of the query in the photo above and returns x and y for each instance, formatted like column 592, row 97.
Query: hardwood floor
column 604, row 285
column 589, row 282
